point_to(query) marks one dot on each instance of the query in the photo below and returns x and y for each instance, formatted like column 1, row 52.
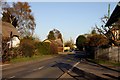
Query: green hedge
column 43, row 48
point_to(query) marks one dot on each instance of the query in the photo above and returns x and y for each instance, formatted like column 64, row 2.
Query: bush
column 43, row 48
column 80, row 42
column 5, row 50
column 98, row 40
column 53, row 48
column 46, row 48
column 27, row 46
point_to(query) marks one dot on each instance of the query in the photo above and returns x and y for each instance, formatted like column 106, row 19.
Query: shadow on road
column 76, row 72
column 103, row 66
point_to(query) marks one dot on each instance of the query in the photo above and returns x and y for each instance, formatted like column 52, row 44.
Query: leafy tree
column 20, row 16
column 55, row 34
column 97, row 40
column 93, row 31
column 51, row 35
column 80, row 42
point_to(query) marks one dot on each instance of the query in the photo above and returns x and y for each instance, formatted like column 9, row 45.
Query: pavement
column 59, row 68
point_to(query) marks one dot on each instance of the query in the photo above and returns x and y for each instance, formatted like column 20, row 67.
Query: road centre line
column 37, row 69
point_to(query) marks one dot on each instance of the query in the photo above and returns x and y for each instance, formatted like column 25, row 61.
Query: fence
column 111, row 54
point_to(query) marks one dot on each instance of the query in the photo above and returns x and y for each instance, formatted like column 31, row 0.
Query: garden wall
column 111, row 54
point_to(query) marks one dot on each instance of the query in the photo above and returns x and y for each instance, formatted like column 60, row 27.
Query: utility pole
column 108, row 10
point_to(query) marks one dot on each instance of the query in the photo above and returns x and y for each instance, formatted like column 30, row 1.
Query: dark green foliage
column 43, row 48
column 80, row 42
column 51, row 35
column 46, row 48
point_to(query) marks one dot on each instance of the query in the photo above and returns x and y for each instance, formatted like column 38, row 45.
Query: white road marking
column 41, row 67
column 37, row 69
column 12, row 76
column 63, row 76
column 73, row 66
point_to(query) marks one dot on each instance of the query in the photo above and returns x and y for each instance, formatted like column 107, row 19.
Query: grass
column 25, row 59
column 107, row 62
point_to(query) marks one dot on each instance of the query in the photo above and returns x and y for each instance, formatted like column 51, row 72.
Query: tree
column 21, row 17
column 97, row 40
column 55, row 34
column 80, row 42
column 69, row 43
column 51, row 35
column 107, row 31
column 93, row 31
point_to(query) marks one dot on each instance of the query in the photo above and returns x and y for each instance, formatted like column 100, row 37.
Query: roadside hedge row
column 43, row 48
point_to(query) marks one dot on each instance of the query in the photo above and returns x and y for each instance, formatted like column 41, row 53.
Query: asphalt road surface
column 57, row 68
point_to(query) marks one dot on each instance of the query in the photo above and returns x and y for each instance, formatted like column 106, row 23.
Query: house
column 10, row 33
column 112, row 53
column 114, row 21
column 60, row 45
column 57, row 42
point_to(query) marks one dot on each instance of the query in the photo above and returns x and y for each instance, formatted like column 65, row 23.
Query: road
column 59, row 67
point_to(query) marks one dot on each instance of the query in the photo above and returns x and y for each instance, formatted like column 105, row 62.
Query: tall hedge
column 43, row 48
column 80, row 42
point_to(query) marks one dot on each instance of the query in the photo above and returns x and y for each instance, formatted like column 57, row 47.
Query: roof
column 7, row 28
column 57, row 41
column 115, row 16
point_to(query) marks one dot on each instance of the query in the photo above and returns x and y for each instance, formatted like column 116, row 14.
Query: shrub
column 5, row 50
column 53, row 48
column 80, row 42
column 98, row 40
column 43, row 48
column 46, row 48
column 27, row 46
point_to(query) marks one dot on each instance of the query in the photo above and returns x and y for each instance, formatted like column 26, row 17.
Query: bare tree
column 106, row 31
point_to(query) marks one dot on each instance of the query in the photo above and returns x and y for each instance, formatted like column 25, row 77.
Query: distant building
column 58, row 43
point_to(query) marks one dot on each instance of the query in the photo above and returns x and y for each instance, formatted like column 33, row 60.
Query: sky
column 70, row 18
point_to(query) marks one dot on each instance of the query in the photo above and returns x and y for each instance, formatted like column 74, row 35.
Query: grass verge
column 108, row 63
column 25, row 59
column 103, row 62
